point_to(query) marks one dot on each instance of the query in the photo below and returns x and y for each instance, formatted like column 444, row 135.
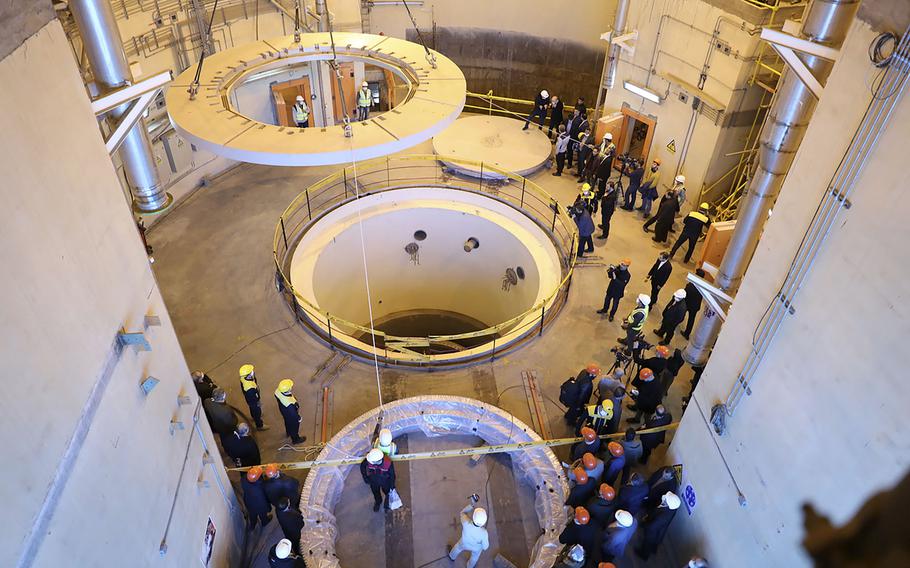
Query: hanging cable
column 296, row 21
column 194, row 86
column 431, row 59
column 348, row 131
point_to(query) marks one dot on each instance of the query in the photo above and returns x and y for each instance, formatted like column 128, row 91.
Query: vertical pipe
column 608, row 76
column 104, row 50
column 323, row 13
column 825, row 22
column 365, row 16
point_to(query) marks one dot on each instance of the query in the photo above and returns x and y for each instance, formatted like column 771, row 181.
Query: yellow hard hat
column 286, row 385
column 246, row 370
column 586, row 187
column 704, row 206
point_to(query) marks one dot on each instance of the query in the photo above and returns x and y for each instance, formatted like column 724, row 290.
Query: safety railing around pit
column 385, row 174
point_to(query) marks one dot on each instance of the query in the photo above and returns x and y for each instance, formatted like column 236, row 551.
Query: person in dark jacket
column 619, row 393
column 657, row 363
column 661, row 481
column 280, row 556
column 602, row 506
column 575, row 126
column 605, row 166
column 290, row 410
column 585, row 225
column 617, row 535
column 221, row 416
column 250, row 389
column 673, row 315
column 581, row 531
column 650, row 441
column 257, row 504
column 632, row 450
column 556, row 115
column 694, row 223
column 647, row 393
column 666, row 212
column 607, row 208
column 693, row 303
column 378, row 472
column 291, row 522
column 279, row 485
column 658, row 275
column 590, row 444
column 204, row 384
column 241, row 447
column 655, row 524
column 541, row 106
column 585, row 387
column 583, row 488
column 615, row 464
column 591, row 164
column 635, row 177
column 633, row 494
column 585, row 151
column 619, row 277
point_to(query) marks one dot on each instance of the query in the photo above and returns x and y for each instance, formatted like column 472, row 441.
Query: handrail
column 490, row 97
column 375, row 176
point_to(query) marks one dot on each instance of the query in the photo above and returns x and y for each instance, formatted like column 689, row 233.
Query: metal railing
column 492, row 107
column 389, row 174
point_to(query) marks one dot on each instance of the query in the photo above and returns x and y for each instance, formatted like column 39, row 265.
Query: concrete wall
column 92, row 467
column 826, row 418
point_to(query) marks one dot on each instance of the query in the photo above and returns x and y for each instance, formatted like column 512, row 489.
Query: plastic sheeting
column 434, row 416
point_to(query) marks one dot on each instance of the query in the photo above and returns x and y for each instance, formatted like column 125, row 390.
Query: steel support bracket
column 787, row 47
column 623, row 41
column 712, row 294
column 140, row 94
column 136, row 338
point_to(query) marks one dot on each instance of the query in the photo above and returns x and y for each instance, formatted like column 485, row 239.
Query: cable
column 248, row 343
column 430, row 58
column 194, row 86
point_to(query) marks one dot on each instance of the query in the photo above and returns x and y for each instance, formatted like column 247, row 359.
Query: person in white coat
column 474, row 538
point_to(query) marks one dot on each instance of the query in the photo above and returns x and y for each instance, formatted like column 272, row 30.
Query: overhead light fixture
column 642, row 92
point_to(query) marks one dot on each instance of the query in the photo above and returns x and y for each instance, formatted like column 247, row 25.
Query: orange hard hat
column 271, row 470
column 593, row 369
column 616, row 449
column 656, row 161
column 626, row 261
column 589, row 434
column 588, row 460
column 253, row 474
column 607, row 491
column 646, row 374
column 581, row 476
column 606, row 565
column 582, row 516
column 663, row 351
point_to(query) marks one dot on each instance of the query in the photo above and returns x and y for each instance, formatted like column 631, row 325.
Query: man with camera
column 619, row 278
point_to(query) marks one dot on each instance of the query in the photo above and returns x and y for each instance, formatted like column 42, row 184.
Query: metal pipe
column 608, row 76
column 365, row 16
column 104, row 50
column 825, row 22
column 323, row 14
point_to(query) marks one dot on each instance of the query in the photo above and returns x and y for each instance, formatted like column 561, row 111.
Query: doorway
column 284, row 96
column 636, row 134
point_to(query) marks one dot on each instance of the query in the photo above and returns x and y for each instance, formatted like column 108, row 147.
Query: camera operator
column 619, row 278
column 657, row 363
column 647, row 394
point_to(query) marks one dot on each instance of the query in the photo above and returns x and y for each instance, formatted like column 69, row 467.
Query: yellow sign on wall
column 672, row 146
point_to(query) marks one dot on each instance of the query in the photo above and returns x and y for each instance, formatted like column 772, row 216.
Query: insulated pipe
column 104, row 50
column 825, row 22
column 608, row 76
column 323, row 13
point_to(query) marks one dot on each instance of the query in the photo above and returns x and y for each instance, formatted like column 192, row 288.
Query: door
column 636, row 134
column 284, row 95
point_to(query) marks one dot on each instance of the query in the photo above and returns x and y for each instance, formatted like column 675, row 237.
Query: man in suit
column 556, row 114
column 693, row 303
column 658, row 275
column 616, row 289
column 673, row 314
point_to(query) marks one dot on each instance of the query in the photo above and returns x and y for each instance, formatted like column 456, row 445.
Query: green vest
column 644, row 315
column 364, row 98
column 301, row 113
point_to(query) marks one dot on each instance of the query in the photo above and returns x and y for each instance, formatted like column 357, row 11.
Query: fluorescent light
column 641, row 91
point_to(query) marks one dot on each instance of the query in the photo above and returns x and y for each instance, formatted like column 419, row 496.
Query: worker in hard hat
column 582, row 488
column 364, row 101
column 605, row 167
column 281, row 556
column 290, row 520
column 385, row 444
column 657, row 363
column 647, row 393
column 619, row 276
column 635, row 321
column 656, row 522
column 661, row 481
column 590, row 443
column 204, row 384
column 220, row 415
column 251, row 393
column 474, row 538
column 648, row 189
column 241, row 447
column 693, row 225
column 575, row 393
column 571, row 557
column 617, row 535
column 650, row 440
column 663, row 219
column 278, row 485
column 635, row 180
column 616, row 462
column 301, row 112
column 597, row 417
column 290, row 410
column 541, row 106
column 580, row 530
column 633, row 494
column 602, row 506
column 257, row 504
column 673, row 315
column 378, row 472
column 659, row 274
column 592, row 465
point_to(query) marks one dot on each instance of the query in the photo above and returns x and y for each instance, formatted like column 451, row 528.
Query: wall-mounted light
column 641, row 91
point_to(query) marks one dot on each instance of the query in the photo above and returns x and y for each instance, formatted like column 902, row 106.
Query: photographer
column 619, row 278
column 635, row 176
column 658, row 363
column 647, row 394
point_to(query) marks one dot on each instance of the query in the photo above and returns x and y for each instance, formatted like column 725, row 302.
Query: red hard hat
column 581, row 476
column 582, row 517
column 588, row 434
column 607, row 492
column 271, row 470
column 663, row 351
column 588, row 460
column 646, row 374
column 616, row 449
column 593, row 369
column 253, row 474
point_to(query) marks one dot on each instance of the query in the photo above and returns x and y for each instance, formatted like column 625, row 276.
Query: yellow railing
column 387, row 174
column 492, row 105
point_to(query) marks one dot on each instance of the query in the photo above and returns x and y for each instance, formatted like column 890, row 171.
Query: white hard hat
column 479, row 517
column 577, row 553
column 544, row 94
column 283, row 548
column 375, row 456
column 385, row 437
column 671, row 500
column 680, row 294
column 364, row 84
column 608, row 136
column 680, row 179
column 624, row 518
column 299, row 98
column 644, row 299
column 619, row 372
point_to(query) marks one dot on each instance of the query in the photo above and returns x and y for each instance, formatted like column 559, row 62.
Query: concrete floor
column 214, row 266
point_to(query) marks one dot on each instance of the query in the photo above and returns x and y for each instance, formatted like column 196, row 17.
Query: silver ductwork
column 323, row 13
column 608, row 77
column 104, row 51
column 825, row 22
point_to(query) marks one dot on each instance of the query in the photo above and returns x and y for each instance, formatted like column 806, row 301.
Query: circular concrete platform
column 494, row 140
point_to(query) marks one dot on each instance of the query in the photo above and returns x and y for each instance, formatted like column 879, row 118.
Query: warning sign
column 672, row 146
